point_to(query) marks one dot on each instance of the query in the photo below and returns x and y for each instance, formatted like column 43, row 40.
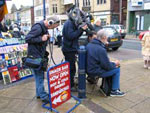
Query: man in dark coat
column 37, row 40
column 71, row 34
column 98, row 63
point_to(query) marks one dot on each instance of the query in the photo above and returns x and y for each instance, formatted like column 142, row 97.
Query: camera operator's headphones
column 51, row 22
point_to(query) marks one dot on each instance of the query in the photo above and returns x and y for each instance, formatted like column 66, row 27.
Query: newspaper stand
column 58, row 78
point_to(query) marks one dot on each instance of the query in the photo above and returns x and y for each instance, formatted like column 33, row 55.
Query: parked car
column 114, row 38
column 120, row 28
column 142, row 33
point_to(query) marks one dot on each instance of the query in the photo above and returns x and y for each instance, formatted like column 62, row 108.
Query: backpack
column 106, row 85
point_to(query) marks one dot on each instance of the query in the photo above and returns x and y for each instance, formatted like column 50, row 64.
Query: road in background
column 131, row 49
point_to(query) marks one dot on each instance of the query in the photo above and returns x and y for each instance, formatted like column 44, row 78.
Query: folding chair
column 94, row 84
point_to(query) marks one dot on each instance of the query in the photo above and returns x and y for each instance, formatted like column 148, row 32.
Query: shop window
column 39, row 12
column 139, row 22
column 103, row 22
column 47, row 11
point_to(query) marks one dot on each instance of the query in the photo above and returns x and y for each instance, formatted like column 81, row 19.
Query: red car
column 142, row 34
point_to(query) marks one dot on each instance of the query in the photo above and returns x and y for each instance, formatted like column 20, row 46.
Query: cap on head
column 53, row 20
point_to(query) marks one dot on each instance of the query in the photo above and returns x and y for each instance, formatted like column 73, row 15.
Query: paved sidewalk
column 131, row 37
column 135, row 81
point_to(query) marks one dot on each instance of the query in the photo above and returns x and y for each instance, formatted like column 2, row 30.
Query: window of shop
column 39, row 12
column 86, row 2
column 101, row 1
column 54, row 8
column 139, row 22
column 103, row 22
column 47, row 11
column 77, row 3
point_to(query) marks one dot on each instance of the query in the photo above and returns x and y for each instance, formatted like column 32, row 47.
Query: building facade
column 138, row 14
column 108, row 11
column 26, row 15
column 38, row 10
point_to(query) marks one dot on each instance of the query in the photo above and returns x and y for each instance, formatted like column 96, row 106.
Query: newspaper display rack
column 11, row 52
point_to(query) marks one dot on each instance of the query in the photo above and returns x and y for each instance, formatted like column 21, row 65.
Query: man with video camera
column 71, row 33
column 37, row 40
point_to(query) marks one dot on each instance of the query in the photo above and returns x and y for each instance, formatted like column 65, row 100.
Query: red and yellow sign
column 59, row 84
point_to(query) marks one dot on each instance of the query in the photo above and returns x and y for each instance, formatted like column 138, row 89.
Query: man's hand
column 117, row 63
column 84, row 27
column 45, row 37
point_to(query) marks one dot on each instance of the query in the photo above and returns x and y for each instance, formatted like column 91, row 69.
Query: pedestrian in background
column 146, row 50
column 59, row 36
column 37, row 40
column 97, row 25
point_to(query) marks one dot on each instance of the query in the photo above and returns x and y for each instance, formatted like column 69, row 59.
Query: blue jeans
column 39, row 83
column 115, row 73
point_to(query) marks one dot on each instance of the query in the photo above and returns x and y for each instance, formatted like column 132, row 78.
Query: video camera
column 80, row 18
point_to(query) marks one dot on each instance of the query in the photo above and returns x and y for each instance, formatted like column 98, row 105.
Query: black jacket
column 36, row 47
column 71, row 35
column 97, row 59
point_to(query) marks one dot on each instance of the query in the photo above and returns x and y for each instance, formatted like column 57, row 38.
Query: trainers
column 116, row 93
column 148, row 68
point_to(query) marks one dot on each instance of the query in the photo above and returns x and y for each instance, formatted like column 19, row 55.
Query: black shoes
column 37, row 97
column 46, row 100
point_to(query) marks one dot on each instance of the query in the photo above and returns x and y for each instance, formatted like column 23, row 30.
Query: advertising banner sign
column 59, row 84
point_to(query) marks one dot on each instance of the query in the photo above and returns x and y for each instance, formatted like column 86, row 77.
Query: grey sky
column 18, row 3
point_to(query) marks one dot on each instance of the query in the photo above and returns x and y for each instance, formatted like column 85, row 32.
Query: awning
column 3, row 9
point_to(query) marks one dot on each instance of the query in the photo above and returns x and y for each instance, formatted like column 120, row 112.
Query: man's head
column 52, row 22
column 97, row 22
column 102, row 36
column 92, row 35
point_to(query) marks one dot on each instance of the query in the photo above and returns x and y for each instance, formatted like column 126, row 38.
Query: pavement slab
column 143, row 107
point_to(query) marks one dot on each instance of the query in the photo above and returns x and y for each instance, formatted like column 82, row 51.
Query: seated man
column 98, row 63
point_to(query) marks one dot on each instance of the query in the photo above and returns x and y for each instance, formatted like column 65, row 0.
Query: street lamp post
column 44, row 10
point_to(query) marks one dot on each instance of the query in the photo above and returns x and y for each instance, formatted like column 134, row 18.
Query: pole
column 33, row 13
column 82, row 75
column 44, row 10
column 120, row 11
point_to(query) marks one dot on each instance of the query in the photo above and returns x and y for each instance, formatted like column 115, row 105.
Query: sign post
column 59, row 86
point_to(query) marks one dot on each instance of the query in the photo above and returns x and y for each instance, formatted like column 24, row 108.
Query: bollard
column 81, row 72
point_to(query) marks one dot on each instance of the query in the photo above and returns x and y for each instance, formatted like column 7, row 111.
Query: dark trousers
column 59, row 38
column 71, row 58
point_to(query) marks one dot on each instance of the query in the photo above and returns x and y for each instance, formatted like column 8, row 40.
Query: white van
column 120, row 28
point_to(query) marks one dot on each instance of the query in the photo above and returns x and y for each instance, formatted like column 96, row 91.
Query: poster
column 59, row 84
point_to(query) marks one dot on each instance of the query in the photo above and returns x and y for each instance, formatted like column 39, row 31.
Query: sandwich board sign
column 59, row 84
